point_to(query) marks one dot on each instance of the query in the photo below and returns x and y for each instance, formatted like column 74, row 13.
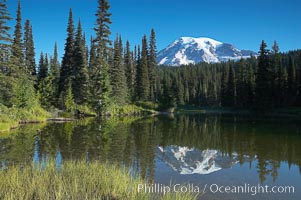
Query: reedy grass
column 10, row 117
column 74, row 180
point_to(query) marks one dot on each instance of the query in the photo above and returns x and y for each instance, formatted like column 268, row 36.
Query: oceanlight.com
column 215, row 188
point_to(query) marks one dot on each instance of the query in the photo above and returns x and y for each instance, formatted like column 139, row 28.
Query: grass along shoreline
column 12, row 117
column 75, row 180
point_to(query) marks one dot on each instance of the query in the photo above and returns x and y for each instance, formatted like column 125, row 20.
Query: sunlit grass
column 11, row 117
column 74, row 180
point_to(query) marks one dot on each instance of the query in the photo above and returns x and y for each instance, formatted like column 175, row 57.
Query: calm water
column 185, row 149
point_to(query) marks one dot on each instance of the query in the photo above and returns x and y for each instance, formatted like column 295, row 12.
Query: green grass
column 74, row 180
column 10, row 117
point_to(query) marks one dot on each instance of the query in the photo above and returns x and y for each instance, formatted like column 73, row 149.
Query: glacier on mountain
column 190, row 50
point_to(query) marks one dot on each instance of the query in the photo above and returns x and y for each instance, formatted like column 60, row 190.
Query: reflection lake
column 193, row 149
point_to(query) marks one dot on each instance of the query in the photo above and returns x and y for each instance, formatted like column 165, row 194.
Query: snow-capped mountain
column 194, row 161
column 189, row 50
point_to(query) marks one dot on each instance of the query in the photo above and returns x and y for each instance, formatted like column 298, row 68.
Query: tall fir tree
column 6, row 82
column 5, row 37
column 264, row 79
column 55, row 64
column 100, row 80
column 43, row 67
column 80, row 81
column 117, row 74
column 102, row 29
column 138, row 73
column 23, row 90
column 47, row 81
column 17, row 56
column 152, row 65
column 92, row 56
column 67, row 62
column 30, row 63
column 277, row 76
column 129, row 70
column 54, row 77
column 143, row 73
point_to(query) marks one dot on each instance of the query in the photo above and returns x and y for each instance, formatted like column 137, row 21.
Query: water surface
column 192, row 149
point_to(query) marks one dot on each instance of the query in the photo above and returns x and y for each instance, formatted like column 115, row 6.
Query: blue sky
column 240, row 22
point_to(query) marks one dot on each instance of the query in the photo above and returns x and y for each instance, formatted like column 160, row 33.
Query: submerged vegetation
column 74, row 180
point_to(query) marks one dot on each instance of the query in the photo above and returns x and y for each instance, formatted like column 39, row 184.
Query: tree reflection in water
column 134, row 142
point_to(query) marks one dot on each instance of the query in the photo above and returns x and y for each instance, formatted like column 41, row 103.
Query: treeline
column 89, row 77
column 271, row 80
column 103, row 74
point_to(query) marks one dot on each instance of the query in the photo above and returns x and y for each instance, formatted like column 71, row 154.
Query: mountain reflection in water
column 194, row 161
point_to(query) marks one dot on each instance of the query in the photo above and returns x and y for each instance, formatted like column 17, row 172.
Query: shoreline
column 288, row 113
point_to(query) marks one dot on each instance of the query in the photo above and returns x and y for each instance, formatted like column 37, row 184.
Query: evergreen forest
column 98, row 75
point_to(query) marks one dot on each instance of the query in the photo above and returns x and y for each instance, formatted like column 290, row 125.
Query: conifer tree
column 117, row 74
column 129, row 70
column 67, row 62
column 86, row 49
column 138, row 73
column 46, row 65
column 92, row 56
column 277, row 75
column 167, row 100
column 5, row 37
column 186, row 92
column 54, row 63
column 250, row 87
column 284, row 88
column 43, row 67
column 102, row 29
column 69, row 103
column 30, row 63
column 6, row 82
column 100, row 82
column 46, row 91
column 17, row 47
column 17, row 57
column 143, row 73
column 241, row 85
column 152, row 64
column 263, row 79
column 231, row 88
column 224, row 85
column 92, row 70
column 80, row 81
column 180, row 90
column 53, row 78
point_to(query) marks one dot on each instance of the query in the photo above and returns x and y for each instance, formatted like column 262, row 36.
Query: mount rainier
column 189, row 50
